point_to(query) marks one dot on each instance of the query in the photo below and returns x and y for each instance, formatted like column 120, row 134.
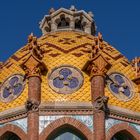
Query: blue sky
column 118, row 20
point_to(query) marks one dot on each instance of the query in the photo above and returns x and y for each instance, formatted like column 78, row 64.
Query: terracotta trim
column 14, row 129
column 124, row 114
column 66, row 112
column 13, row 117
column 55, row 125
column 120, row 127
column 124, row 111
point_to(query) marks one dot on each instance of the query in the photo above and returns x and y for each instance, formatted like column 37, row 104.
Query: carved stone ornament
column 97, row 64
column 32, row 106
column 100, row 104
column 65, row 79
column 120, row 86
column 136, row 65
column 33, row 65
column 12, row 88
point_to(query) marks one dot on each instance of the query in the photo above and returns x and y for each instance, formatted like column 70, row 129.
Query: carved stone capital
column 100, row 104
column 32, row 106
column 97, row 66
column 33, row 65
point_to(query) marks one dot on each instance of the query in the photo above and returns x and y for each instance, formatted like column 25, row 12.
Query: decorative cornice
column 33, row 65
column 97, row 64
column 123, row 114
column 13, row 114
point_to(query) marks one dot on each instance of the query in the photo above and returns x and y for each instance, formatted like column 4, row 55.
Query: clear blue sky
column 118, row 20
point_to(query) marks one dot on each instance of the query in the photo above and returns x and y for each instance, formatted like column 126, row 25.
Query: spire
column 68, row 19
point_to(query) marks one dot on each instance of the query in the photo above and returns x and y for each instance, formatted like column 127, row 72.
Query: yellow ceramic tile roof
column 69, row 48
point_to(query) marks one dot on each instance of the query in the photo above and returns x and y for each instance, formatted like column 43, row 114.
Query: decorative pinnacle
column 52, row 10
column 72, row 8
column 90, row 14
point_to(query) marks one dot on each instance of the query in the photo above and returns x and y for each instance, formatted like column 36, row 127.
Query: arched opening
column 123, row 135
column 78, row 24
column 63, row 22
column 9, row 136
column 66, row 133
column 66, row 126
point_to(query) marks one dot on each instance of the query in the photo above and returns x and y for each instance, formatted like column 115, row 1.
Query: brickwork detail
column 14, row 129
column 122, row 127
column 54, row 126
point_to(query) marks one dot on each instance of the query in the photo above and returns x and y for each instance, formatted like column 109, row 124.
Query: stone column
column 98, row 98
column 33, row 67
column 34, row 93
column 72, row 24
column 97, row 67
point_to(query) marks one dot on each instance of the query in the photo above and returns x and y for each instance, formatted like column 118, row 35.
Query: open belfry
column 69, row 84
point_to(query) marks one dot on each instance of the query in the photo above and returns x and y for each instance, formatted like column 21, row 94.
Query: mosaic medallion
column 65, row 79
column 120, row 86
column 11, row 88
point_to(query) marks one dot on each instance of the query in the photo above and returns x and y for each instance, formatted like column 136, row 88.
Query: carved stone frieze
column 100, row 104
column 32, row 106
column 33, row 65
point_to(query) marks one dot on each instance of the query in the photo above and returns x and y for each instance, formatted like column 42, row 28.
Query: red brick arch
column 14, row 129
column 122, row 127
column 66, row 121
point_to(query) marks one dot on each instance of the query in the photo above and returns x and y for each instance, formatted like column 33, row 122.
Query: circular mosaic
column 65, row 79
column 11, row 88
column 120, row 86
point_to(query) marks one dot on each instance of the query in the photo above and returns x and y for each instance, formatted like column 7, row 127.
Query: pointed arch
column 13, row 129
column 69, row 122
column 122, row 127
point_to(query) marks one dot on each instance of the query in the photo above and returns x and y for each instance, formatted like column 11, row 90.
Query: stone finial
column 52, row 10
column 72, row 8
column 97, row 46
column 33, row 65
column 90, row 14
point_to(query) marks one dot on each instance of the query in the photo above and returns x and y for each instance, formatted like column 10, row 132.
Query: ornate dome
column 69, row 83
column 70, row 50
